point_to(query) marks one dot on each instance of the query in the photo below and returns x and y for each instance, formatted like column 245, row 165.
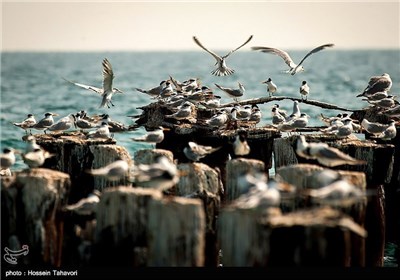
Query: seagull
column 153, row 137
column 102, row 132
column 113, row 171
column 304, row 89
column 195, row 152
column 377, row 96
column 107, row 91
column 240, row 145
column 183, row 113
column 389, row 132
column 27, row 123
column 324, row 154
column 299, row 122
column 46, row 122
column 222, row 69
column 373, row 128
column 161, row 175
column 271, row 87
column 85, row 206
column 294, row 68
column 154, row 92
column 385, row 103
column 235, row 93
column 392, row 112
column 296, row 109
column 31, row 144
column 62, row 124
column 377, row 84
column 255, row 115
column 36, row 158
column 7, row 158
column 277, row 118
column 219, row 119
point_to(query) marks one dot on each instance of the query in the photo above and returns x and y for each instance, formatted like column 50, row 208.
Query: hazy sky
column 165, row 25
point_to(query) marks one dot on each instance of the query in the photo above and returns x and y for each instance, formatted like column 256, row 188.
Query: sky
column 170, row 26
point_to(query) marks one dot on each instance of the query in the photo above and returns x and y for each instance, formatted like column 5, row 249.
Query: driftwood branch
column 279, row 98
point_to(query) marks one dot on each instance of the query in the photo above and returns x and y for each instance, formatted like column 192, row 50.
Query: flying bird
column 107, row 91
column 222, row 69
column 195, row 152
column 294, row 68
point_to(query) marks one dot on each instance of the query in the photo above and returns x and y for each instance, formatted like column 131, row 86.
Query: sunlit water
column 32, row 83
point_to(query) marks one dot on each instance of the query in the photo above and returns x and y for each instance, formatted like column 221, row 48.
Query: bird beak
column 166, row 129
column 264, row 82
column 54, row 114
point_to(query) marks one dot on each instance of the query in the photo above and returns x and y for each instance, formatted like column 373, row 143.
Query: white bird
column 277, row 118
column 294, row 68
column 184, row 112
column 27, row 123
column 374, row 128
column 102, row 132
column 85, row 206
column 377, row 84
column 299, row 122
column 7, row 158
column 234, row 93
column 153, row 137
column 255, row 115
column 222, row 69
column 46, row 122
column 304, row 90
column 385, row 103
column 62, row 124
column 271, row 87
column 389, row 133
column 240, row 145
column 218, row 120
column 113, row 171
column 324, row 154
column 392, row 112
column 195, row 152
column 296, row 109
column 107, row 91
column 161, row 175
column 31, row 144
column 36, row 158
column 153, row 92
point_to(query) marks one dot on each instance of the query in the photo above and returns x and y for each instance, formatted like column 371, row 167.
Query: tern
column 234, row 93
column 113, row 171
column 222, row 69
column 240, row 145
column 7, row 158
column 107, row 91
column 195, row 152
column 27, row 123
column 62, row 124
column 153, row 137
column 294, row 68
column 46, row 122
column 304, row 90
column 36, row 158
column 374, row 128
column 85, row 206
column 154, row 92
column 377, row 84
column 102, row 132
column 271, row 87
column 31, row 144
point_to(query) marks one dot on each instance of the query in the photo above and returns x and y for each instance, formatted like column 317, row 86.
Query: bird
column 304, row 90
column 153, row 136
column 377, row 84
column 222, row 69
column 102, row 132
column 374, row 128
column 195, row 152
column 299, row 122
column 31, row 144
column 255, row 115
column 62, row 124
column 294, row 68
column 153, row 92
column 234, row 93
column 113, row 172
column 85, row 206
column 390, row 132
column 240, row 145
column 7, row 158
column 392, row 112
column 324, row 154
column 218, row 120
column 162, row 175
column 46, row 122
column 385, row 103
column 36, row 158
column 183, row 113
column 27, row 123
column 277, row 118
column 107, row 91
column 271, row 87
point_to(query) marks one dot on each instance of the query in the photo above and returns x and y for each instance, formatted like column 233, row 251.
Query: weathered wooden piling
column 236, row 168
column 149, row 156
column 31, row 205
column 203, row 182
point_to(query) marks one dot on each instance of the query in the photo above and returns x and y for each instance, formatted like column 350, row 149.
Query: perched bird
column 107, row 91
column 304, row 90
column 296, row 109
column 46, row 122
column 271, row 87
column 218, row 120
column 62, row 124
column 234, row 93
column 240, row 145
column 222, row 69
column 85, row 206
column 346, row 129
column 82, row 123
column 385, row 103
column 153, row 92
column 324, row 154
column 294, row 68
column 161, row 175
column 255, row 115
column 153, row 137
column 31, row 144
column 299, row 122
column 389, row 133
column 328, row 121
column 102, row 132
column 377, row 96
column 392, row 112
column 183, row 113
column 280, row 111
column 7, row 158
column 195, row 152
column 113, row 171
column 374, row 128
column 36, row 158
column 377, row 84
column 277, row 118
column 27, row 123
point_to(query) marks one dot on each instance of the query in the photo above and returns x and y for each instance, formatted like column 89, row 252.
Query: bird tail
column 140, row 90
column 223, row 71
column 361, row 94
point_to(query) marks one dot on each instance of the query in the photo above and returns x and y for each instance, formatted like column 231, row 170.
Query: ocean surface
column 32, row 83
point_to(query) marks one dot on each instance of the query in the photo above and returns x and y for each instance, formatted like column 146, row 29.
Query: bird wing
column 248, row 40
column 216, row 56
column 317, row 49
column 108, row 76
column 95, row 89
column 284, row 55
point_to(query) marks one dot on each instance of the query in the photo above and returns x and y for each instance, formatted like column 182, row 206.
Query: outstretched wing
column 95, row 89
column 284, row 55
column 248, row 40
column 108, row 76
column 216, row 56
column 317, row 49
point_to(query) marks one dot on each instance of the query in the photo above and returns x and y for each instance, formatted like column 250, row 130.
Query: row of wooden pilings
column 196, row 223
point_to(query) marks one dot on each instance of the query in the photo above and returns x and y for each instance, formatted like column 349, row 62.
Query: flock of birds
column 183, row 99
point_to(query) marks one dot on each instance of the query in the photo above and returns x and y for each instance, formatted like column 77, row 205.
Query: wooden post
column 176, row 231
column 32, row 200
column 148, row 156
column 203, row 182
column 236, row 168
